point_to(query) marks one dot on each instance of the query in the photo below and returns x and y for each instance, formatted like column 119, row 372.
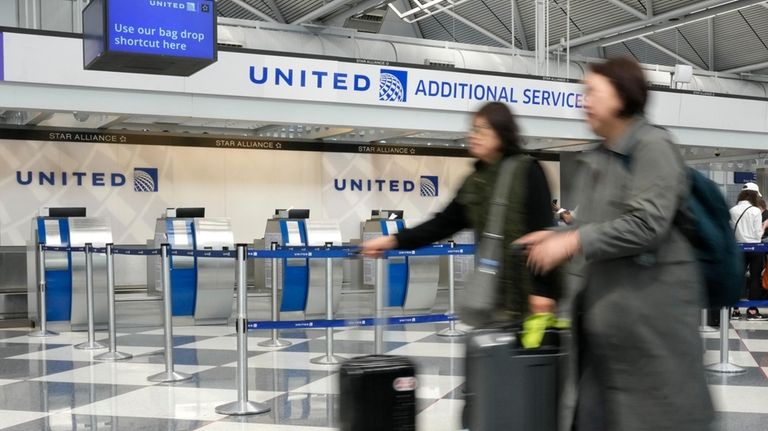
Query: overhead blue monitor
column 166, row 37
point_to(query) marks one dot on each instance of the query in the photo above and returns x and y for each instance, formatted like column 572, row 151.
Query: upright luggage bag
column 378, row 393
column 510, row 388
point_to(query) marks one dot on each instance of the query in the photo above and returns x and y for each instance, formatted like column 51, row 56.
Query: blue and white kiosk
column 301, row 282
column 65, row 270
column 411, row 281
column 203, row 287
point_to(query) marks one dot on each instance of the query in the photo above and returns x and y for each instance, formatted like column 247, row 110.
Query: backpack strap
column 742, row 215
column 494, row 226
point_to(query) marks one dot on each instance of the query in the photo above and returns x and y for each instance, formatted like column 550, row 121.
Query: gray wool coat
column 637, row 317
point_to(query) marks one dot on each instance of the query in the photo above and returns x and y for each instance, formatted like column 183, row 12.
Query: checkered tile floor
column 47, row 384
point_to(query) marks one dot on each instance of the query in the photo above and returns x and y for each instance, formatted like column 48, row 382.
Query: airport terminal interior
column 185, row 186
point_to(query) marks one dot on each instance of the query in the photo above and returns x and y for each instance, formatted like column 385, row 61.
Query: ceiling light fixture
column 425, row 9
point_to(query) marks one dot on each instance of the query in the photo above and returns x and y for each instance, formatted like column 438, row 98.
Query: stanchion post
column 705, row 328
column 379, row 286
column 275, row 341
column 112, row 354
column 42, row 308
column 451, row 330
column 725, row 366
column 329, row 358
column 91, row 344
column 169, row 375
column 242, row 406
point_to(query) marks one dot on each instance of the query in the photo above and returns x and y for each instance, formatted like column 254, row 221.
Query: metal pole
column 42, row 308
column 451, row 330
column 379, row 287
column 704, row 328
column 113, row 354
column 724, row 366
column 242, row 406
column 77, row 17
column 568, row 39
column 169, row 375
column 546, row 29
column 329, row 358
column 91, row 344
column 275, row 341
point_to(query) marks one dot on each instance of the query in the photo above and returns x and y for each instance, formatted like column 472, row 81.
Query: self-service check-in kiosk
column 411, row 281
column 203, row 287
column 65, row 270
column 301, row 282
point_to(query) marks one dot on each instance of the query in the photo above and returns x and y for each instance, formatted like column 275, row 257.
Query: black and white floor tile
column 46, row 384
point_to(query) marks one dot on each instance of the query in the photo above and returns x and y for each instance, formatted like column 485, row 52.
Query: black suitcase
column 377, row 393
column 510, row 388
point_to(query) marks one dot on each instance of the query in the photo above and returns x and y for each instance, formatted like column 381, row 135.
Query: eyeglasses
column 479, row 130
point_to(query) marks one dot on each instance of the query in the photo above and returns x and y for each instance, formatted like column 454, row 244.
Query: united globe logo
column 145, row 180
column 393, row 85
column 428, row 186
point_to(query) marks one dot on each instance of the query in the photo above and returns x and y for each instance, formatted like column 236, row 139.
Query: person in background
column 637, row 316
column 562, row 216
column 761, row 205
column 747, row 221
column 494, row 136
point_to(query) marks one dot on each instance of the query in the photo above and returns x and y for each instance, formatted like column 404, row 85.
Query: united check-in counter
column 301, row 282
column 411, row 281
column 65, row 271
column 202, row 287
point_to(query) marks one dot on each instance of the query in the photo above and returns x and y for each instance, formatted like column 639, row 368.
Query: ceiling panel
column 445, row 27
column 640, row 50
column 737, row 45
column 663, row 6
column 295, row 9
column 677, row 42
column 697, row 34
column 229, row 9
column 741, row 38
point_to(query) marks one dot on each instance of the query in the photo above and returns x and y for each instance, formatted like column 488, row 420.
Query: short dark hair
column 502, row 121
column 749, row 196
column 628, row 79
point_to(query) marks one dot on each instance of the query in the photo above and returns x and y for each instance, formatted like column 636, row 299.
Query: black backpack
column 704, row 219
column 706, row 222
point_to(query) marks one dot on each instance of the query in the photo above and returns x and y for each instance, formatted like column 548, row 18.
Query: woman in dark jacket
column 638, row 314
column 493, row 137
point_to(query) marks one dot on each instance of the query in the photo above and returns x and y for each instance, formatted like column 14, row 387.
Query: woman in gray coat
column 640, row 355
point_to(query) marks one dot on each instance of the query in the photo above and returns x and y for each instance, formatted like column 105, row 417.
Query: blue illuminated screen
column 177, row 28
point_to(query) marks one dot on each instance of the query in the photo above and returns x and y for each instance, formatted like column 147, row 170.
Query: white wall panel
column 244, row 185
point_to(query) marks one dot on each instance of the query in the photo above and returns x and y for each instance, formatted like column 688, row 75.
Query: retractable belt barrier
column 282, row 252
column 346, row 323
column 243, row 406
column 760, row 247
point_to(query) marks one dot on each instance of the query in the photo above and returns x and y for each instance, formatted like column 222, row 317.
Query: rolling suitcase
column 511, row 388
column 377, row 393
